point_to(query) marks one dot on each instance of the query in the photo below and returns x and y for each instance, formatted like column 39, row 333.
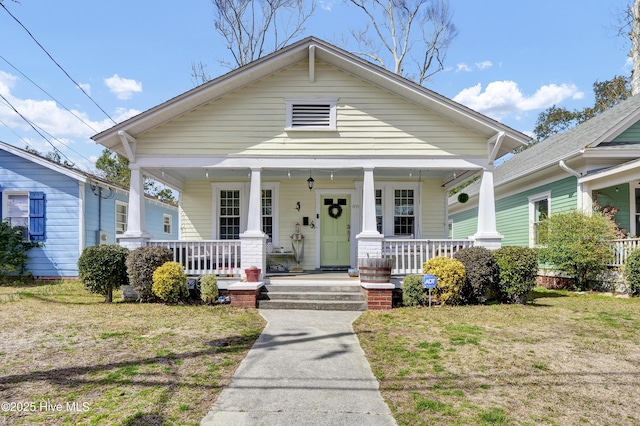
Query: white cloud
column 484, row 65
column 86, row 87
column 463, row 67
column 326, row 5
column 503, row 98
column 123, row 88
column 7, row 81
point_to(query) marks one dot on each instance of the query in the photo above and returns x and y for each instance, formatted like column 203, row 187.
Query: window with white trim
column 403, row 212
column 398, row 209
column 121, row 217
column 16, row 208
column 310, row 114
column 539, row 209
column 267, row 212
column 229, row 214
column 379, row 216
column 166, row 223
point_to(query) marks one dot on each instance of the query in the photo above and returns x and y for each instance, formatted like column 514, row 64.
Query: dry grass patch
column 115, row 363
column 564, row 359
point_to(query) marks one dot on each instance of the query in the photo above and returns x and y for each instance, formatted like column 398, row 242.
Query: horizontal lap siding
column 465, row 223
column 196, row 218
column 512, row 213
column 252, row 121
column 433, row 209
column 59, row 255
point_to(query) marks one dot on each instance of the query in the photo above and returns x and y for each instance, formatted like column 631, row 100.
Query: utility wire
column 51, row 96
column 55, row 62
column 37, row 130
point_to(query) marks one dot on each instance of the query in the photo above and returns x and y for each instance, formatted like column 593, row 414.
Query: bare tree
column 253, row 28
column 420, row 28
column 629, row 26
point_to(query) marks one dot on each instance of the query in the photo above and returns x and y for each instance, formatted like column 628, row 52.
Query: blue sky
column 511, row 60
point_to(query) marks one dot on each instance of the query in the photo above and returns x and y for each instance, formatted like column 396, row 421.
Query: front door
column 335, row 232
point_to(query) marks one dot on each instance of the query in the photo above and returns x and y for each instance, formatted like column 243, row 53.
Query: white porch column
column 253, row 240
column 369, row 240
column 487, row 235
column 136, row 234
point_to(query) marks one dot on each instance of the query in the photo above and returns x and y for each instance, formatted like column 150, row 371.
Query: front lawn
column 68, row 358
column 565, row 359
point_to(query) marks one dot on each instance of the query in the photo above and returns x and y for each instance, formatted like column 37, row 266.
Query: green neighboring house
column 597, row 161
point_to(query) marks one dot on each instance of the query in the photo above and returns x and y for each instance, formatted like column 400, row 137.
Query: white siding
column 252, row 121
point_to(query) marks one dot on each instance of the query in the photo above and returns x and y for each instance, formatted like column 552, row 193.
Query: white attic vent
column 311, row 114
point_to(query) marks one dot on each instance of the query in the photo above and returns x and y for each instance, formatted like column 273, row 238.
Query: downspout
column 572, row 172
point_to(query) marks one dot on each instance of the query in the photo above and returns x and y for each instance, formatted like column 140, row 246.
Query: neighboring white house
column 378, row 151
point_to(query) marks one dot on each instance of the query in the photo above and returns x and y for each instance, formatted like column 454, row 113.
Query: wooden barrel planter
column 375, row 270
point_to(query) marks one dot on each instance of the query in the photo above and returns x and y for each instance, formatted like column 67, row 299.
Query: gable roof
column 598, row 130
column 295, row 53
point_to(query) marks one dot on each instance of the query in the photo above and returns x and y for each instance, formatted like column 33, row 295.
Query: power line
column 55, row 62
column 37, row 130
column 48, row 94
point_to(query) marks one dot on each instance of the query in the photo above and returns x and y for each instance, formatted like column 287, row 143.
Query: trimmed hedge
column 631, row 272
column 170, row 283
column 209, row 288
column 103, row 269
column 450, row 274
column 413, row 292
column 141, row 264
column 518, row 269
column 481, row 274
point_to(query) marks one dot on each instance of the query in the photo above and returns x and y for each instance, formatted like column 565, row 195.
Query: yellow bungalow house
column 310, row 154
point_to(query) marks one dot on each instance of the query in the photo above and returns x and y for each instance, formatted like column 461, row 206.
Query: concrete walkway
column 306, row 368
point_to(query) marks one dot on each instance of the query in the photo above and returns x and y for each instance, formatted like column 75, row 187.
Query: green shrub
column 577, row 244
column 103, row 269
column 631, row 272
column 209, row 288
column 13, row 249
column 450, row 274
column 141, row 263
column 170, row 282
column 481, row 274
column 413, row 292
column 518, row 268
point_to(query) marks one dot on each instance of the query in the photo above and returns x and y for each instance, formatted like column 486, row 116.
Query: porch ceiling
column 173, row 175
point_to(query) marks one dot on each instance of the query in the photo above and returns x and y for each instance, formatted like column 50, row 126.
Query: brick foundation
column 244, row 298
column 379, row 299
column 554, row 282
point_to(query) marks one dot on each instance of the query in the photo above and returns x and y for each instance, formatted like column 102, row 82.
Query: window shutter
column 1, row 218
column 37, row 216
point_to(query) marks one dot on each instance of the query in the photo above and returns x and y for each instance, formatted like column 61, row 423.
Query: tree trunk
column 108, row 298
column 635, row 48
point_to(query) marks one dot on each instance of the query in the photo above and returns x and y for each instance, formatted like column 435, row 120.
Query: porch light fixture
column 310, row 182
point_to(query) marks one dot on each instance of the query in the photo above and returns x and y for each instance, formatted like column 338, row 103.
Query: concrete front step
column 314, row 296
column 316, row 305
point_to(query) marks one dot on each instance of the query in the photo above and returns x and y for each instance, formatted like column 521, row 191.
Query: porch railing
column 220, row 257
column 410, row 255
column 622, row 248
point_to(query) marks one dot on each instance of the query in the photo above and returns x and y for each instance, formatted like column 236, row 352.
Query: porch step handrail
column 220, row 257
column 411, row 254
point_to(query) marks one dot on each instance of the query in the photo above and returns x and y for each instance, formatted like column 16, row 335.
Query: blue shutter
column 37, row 216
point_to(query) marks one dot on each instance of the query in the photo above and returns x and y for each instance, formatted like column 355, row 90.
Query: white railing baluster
column 220, row 257
column 411, row 254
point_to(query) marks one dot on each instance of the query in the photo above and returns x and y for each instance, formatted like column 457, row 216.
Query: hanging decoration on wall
column 463, row 197
column 335, row 211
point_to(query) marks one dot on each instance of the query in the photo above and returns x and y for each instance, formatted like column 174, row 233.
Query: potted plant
column 253, row 274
